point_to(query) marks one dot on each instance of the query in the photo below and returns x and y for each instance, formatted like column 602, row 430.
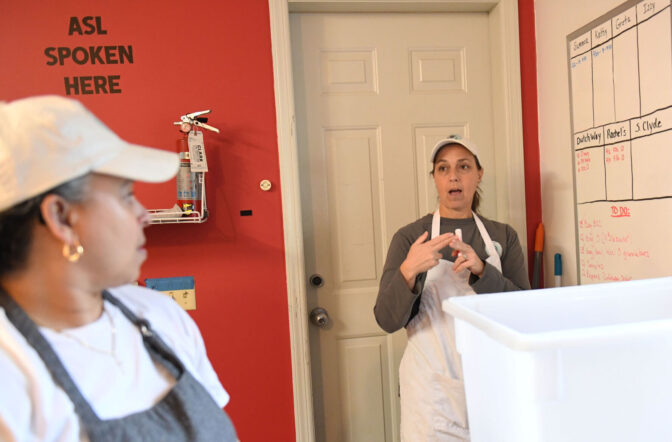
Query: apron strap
column 493, row 256
column 436, row 224
column 157, row 348
column 18, row 317
column 489, row 246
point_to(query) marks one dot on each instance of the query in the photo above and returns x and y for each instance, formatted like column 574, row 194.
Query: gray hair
column 18, row 222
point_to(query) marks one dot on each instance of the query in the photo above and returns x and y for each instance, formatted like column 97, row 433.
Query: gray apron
column 187, row 412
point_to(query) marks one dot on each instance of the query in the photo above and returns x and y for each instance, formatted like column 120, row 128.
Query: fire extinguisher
column 190, row 183
column 189, row 195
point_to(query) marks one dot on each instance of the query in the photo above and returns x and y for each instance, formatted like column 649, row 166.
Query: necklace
column 112, row 352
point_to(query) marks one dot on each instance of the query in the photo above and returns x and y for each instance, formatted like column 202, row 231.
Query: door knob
column 319, row 317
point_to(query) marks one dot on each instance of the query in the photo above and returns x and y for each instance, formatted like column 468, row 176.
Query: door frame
column 508, row 145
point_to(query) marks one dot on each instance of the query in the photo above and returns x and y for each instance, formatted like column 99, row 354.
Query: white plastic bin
column 572, row 364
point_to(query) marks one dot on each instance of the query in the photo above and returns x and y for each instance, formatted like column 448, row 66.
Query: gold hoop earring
column 69, row 254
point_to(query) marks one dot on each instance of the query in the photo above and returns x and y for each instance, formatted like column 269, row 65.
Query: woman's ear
column 59, row 217
column 480, row 174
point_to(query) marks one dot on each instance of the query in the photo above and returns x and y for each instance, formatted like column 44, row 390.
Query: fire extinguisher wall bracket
column 175, row 215
column 191, row 206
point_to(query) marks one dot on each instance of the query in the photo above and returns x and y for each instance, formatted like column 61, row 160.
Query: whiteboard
column 620, row 78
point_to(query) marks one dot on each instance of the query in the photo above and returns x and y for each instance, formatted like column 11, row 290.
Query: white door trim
column 508, row 139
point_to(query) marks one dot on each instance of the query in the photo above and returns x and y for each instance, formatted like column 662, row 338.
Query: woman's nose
column 144, row 218
column 143, row 215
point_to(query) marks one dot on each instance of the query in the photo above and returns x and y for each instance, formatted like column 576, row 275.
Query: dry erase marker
column 458, row 233
column 538, row 251
column 557, row 271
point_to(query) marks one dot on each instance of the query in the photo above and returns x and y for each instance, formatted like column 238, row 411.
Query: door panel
column 363, row 384
column 351, row 159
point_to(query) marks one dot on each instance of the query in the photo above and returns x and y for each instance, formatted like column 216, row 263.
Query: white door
column 373, row 93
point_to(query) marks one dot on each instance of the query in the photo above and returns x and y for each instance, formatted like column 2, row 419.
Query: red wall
column 188, row 57
column 212, row 55
column 528, row 74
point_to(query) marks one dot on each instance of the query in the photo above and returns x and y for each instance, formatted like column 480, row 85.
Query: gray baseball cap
column 453, row 139
column 49, row 140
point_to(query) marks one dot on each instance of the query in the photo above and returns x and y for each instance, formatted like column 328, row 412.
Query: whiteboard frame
column 572, row 36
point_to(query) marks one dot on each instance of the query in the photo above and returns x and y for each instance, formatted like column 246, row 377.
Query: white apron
column 433, row 406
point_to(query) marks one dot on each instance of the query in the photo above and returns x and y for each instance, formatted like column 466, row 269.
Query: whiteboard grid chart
column 620, row 74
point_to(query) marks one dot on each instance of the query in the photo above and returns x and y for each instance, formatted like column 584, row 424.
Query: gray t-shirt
column 397, row 304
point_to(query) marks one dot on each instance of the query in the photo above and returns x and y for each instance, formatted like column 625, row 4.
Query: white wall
column 555, row 19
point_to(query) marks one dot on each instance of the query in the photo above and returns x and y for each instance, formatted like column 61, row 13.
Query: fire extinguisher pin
column 193, row 120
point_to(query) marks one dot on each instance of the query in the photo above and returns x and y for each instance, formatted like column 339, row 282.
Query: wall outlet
column 186, row 298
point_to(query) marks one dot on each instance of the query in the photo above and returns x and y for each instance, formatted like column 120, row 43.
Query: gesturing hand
column 422, row 256
column 466, row 258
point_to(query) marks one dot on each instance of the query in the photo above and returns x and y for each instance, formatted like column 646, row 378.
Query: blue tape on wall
column 168, row 284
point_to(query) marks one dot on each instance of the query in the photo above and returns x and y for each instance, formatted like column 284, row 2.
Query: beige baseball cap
column 49, row 140
column 453, row 139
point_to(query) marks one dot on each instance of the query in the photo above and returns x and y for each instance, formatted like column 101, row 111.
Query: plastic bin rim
column 521, row 341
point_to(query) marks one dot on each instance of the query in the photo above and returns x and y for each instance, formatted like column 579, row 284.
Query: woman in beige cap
column 84, row 355
column 451, row 252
